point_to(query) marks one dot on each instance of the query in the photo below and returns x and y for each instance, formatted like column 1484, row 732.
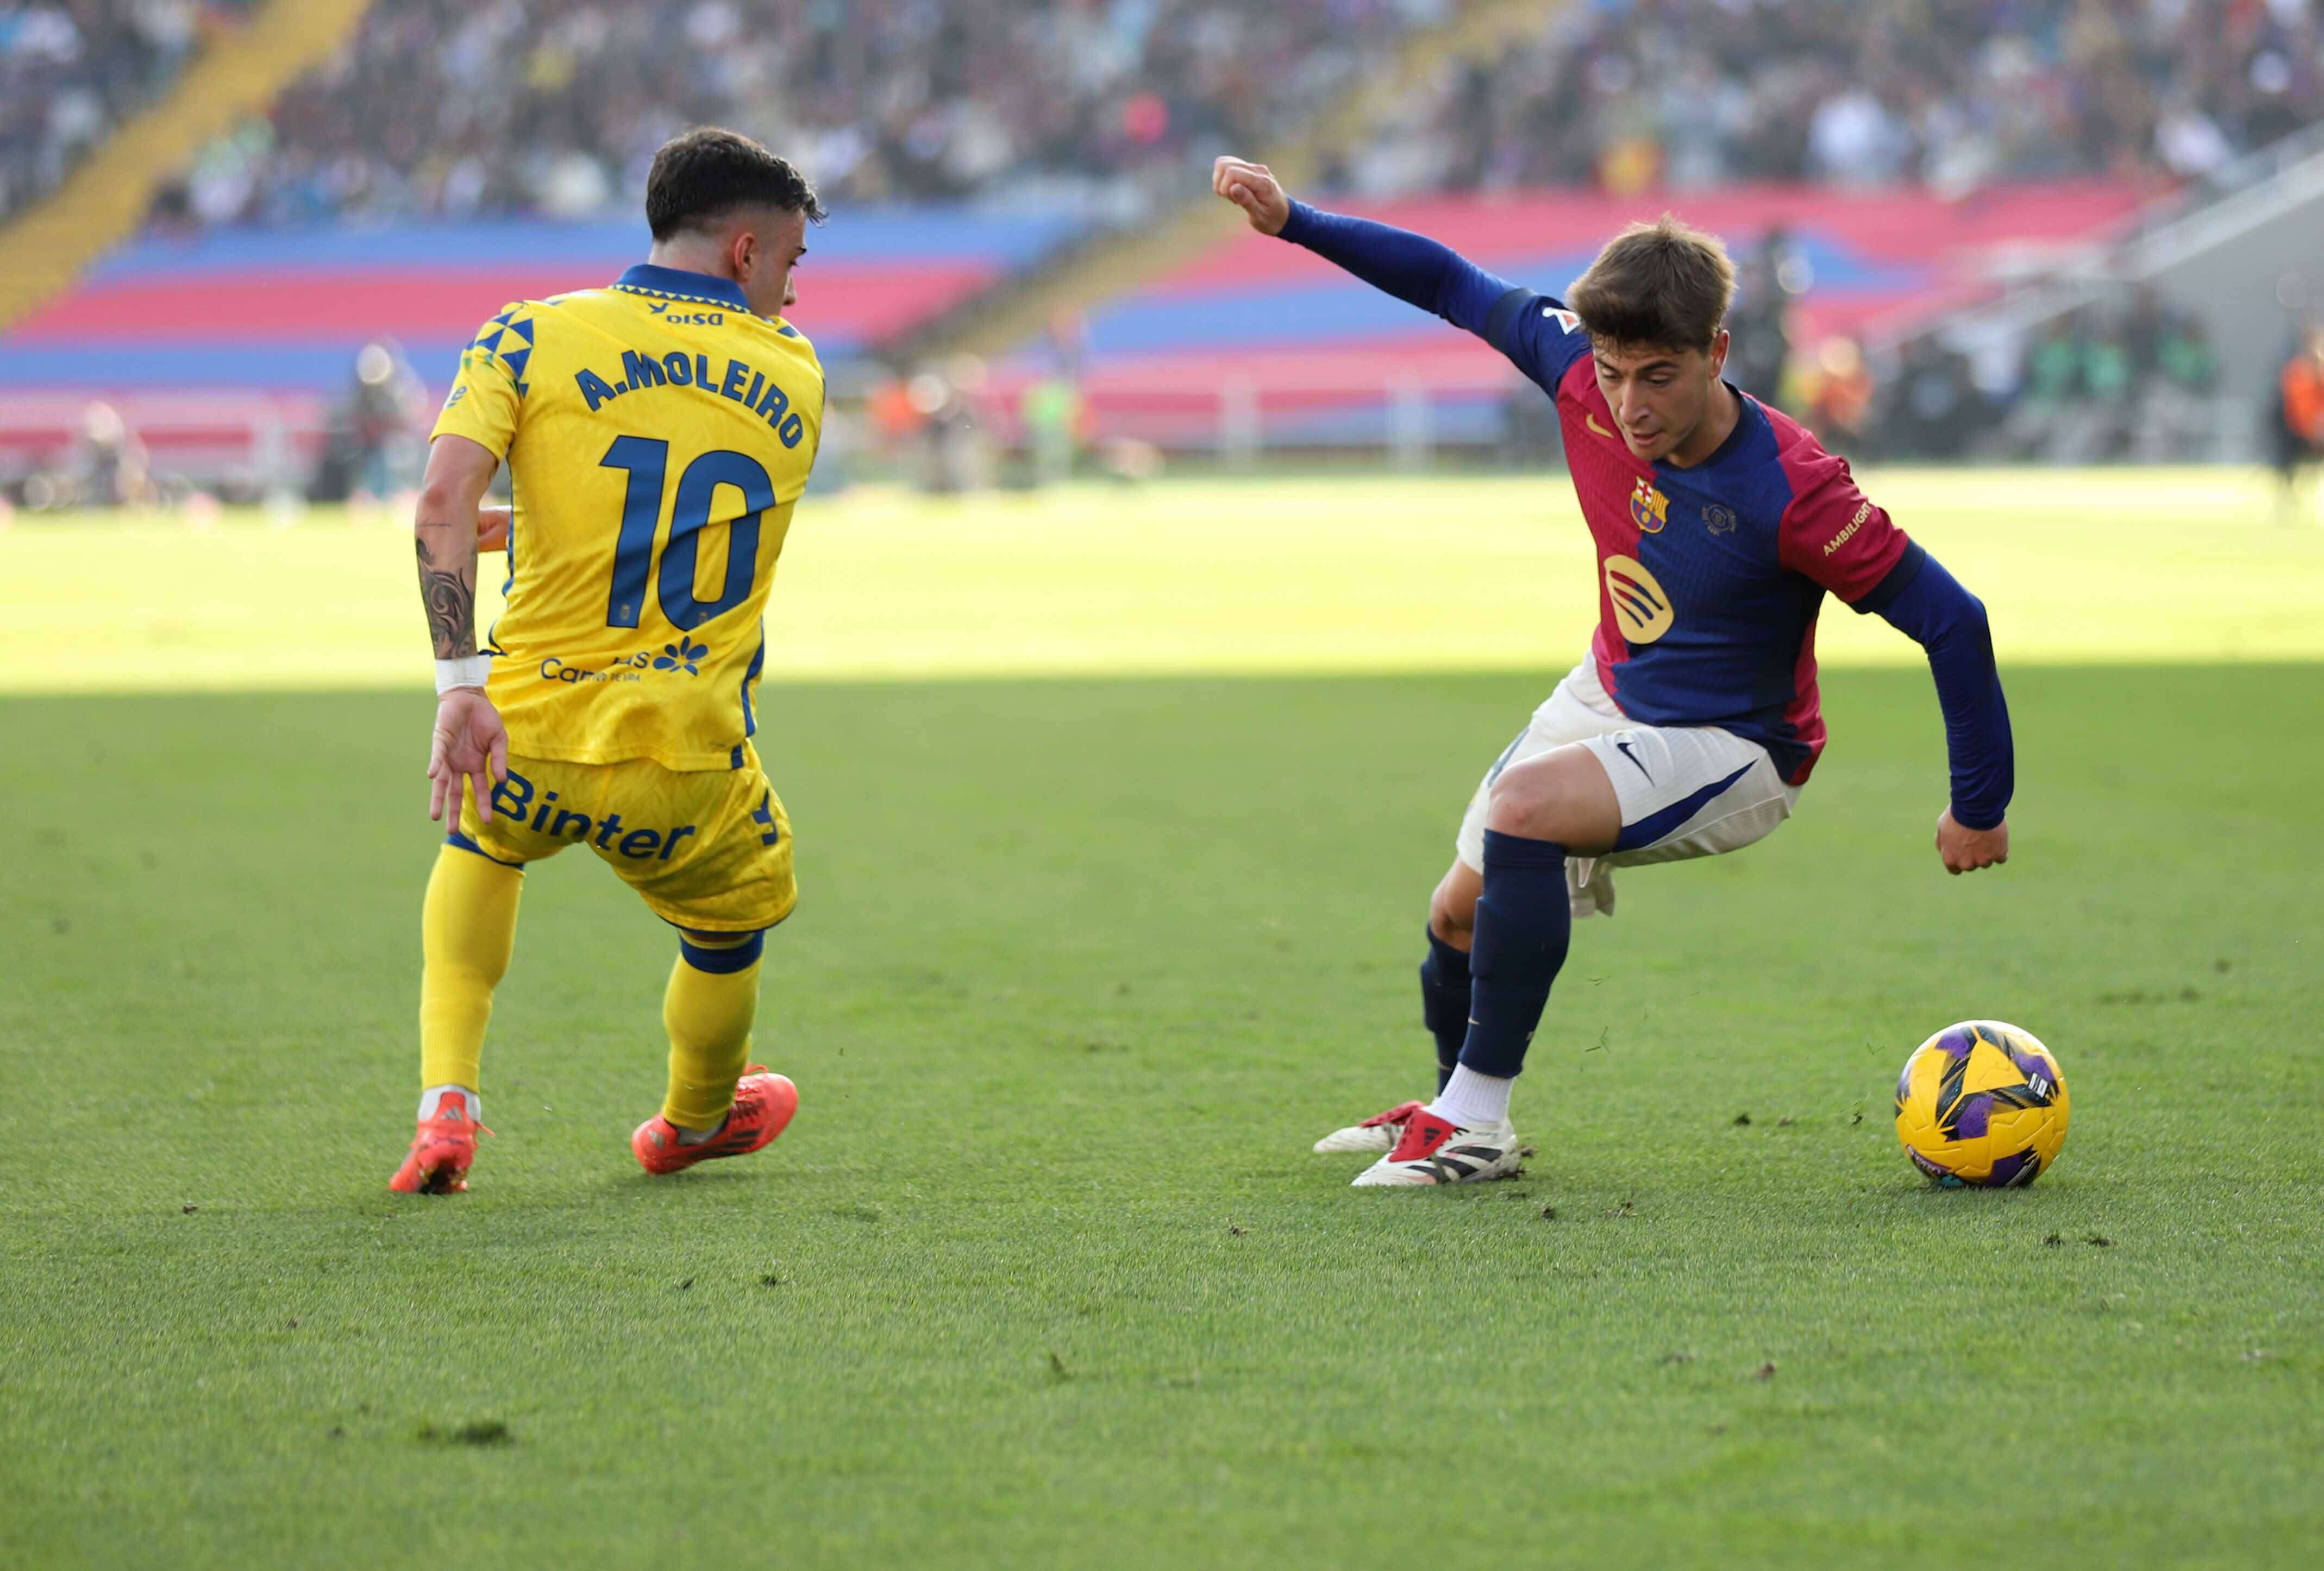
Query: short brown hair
column 699, row 178
column 1660, row 284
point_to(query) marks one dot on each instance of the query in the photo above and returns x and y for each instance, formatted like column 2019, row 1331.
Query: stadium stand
column 1873, row 165
column 48, row 246
column 71, row 73
column 404, row 189
column 2164, row 343
column 1949, row 94
column 1257, row 342
column 277, row 318
column 449, row 107
column 289, row 308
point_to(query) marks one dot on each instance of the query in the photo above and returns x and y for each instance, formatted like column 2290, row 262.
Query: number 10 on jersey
column 647, row 461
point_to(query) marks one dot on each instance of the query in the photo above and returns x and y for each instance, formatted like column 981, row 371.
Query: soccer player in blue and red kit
column 1693, row 724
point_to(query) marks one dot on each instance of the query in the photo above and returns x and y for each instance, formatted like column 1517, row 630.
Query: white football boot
column 1433, row 1151
column 1374, row 1136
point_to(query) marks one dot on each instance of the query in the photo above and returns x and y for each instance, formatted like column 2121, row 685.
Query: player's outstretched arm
column 469, row 743
column 1832, row 534
column 1411, row 267
column 1949, row 623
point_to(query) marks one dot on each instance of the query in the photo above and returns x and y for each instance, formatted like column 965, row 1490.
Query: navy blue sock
column 1445, row 1002
column 1523, row 922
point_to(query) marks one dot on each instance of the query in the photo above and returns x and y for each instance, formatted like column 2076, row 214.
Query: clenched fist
column 1253, row 188
column 1965, row 849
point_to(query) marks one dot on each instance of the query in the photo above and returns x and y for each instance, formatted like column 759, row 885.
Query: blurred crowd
column 459, row 108
column 2130, row 378
column 2098, row 385
column 1631, row 94
column 70, row 70
column 462, row 106
column 2127, row 379
column 556, row 106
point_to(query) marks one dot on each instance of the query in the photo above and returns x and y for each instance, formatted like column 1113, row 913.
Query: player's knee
column 1526, row 803
column 1453, row 918
column 1562, row 796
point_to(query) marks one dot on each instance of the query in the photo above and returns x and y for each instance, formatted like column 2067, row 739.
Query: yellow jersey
column 658, row 434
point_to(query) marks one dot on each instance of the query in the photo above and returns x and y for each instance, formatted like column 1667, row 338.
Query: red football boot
column 438, row 1162
column 764, row 1105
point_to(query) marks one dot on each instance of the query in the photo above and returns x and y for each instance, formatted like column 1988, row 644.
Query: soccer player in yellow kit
column 658, row 434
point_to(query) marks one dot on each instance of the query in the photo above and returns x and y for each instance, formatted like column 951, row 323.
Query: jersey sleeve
column 1541, row 337
column 488, row 393
column 1949, row 623
column 1538, row 334
column 1832, row 532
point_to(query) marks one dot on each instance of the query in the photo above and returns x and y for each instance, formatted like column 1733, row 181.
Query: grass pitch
column 1044, row 1274
column 1354, row 573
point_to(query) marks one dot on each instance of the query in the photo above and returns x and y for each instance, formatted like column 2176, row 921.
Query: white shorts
column 1685, row 791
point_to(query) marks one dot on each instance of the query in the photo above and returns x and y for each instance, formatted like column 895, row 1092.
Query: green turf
column 1044, row 1274
column 1364, row 574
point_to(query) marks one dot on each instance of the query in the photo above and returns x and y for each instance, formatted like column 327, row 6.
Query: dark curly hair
column 704, row 175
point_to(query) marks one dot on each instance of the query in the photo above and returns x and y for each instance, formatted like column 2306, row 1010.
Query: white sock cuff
column 1473, row 1101
column 431, row 1098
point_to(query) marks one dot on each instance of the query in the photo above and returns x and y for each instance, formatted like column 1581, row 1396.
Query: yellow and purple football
column 1982, row 1105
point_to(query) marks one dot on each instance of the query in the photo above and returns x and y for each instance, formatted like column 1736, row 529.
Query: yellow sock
column 713, row 998
column 467, row 929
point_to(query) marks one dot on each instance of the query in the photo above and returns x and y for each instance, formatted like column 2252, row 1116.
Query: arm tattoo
column 451, row 601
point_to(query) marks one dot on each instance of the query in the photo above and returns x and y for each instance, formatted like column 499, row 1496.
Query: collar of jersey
column 1746, row 413
column 678, row 284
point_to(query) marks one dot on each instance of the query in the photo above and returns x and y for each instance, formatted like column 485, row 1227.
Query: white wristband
column 467, row 672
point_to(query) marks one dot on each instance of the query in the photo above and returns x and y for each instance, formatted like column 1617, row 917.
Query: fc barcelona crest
column 1649, row 509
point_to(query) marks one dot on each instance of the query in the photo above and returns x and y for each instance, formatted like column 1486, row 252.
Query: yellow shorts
column 708, row 849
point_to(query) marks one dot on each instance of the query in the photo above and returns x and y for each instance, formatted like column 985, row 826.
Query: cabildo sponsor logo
column 685, row 655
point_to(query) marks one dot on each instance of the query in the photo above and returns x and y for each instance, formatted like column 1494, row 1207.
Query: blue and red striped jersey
column 1710, row 575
